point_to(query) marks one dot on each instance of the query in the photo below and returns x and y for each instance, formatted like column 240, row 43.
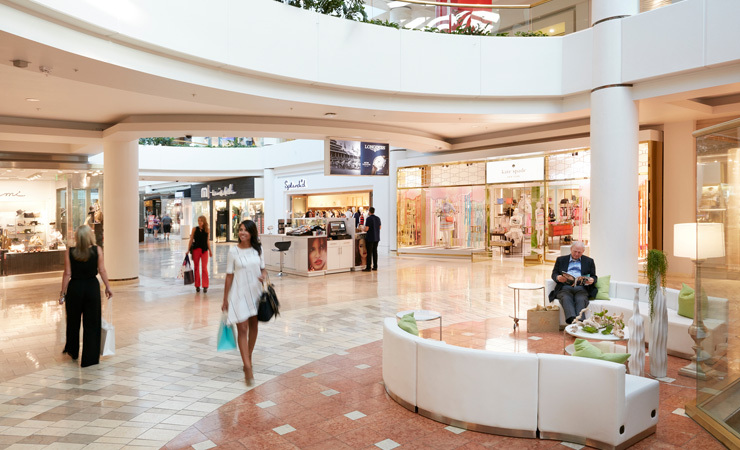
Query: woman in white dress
column 245, row 270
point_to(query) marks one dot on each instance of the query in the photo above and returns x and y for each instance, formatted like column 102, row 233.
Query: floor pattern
column 318, row 364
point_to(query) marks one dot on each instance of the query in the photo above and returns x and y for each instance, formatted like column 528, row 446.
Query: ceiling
column 78, row 97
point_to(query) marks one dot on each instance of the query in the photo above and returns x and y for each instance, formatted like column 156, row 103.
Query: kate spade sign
column 530, row 169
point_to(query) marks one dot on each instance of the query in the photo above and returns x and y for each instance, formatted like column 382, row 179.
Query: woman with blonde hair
column 81, row 295
column 200, row 247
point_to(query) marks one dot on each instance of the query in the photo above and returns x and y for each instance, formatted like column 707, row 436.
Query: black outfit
column 83, row 299
column 573, row 298
column 371, row 239
column 200, row 240
column 357, row 218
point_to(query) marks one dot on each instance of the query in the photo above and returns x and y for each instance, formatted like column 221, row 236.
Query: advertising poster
column 360, row 250
column 317, row 253
column 342, row 157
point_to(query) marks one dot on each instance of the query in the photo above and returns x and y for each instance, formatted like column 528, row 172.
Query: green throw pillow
column 408, row 324
column 686, row 301
column 585, row 349
column 602, row 284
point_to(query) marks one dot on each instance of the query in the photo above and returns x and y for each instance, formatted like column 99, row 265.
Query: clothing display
column 246, row 265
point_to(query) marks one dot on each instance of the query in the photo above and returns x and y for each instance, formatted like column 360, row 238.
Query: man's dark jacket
column 588, row 267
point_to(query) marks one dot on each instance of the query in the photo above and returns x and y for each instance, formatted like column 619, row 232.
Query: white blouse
column 246, row 265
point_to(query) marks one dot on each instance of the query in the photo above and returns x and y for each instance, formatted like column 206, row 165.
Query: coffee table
column 577, row 332
column 517, row 287
column 423, row 315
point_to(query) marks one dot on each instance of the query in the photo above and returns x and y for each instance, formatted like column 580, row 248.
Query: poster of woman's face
column 360, row 250
column 316, row 253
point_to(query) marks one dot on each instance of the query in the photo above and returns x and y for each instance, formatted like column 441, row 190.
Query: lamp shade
column 710, row 242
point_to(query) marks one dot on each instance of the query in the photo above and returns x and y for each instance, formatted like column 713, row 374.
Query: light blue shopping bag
column 226, row 339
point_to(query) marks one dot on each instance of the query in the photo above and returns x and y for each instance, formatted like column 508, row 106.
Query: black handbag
column 268, row 306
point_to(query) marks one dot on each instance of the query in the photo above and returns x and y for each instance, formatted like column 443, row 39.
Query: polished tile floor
column 317, row 367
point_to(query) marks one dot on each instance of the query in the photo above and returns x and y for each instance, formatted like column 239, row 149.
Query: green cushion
column 602, row 284
column 408, row 324
column 585, row 349
column 686, row 298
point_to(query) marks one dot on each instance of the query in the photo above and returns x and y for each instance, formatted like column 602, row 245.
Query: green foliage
column 657, row 265
column 530, row 34
column 347, row 9
column 164, row 141
column 383, row 23
column 589, row 329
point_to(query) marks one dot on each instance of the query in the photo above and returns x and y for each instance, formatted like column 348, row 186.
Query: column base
column 692, row 371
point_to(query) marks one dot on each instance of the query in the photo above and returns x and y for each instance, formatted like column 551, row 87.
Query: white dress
column 246, row 265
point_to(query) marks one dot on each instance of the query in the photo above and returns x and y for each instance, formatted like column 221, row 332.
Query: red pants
column 200, row 260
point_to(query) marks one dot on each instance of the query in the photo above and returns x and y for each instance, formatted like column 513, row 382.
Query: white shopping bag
column 108, row 331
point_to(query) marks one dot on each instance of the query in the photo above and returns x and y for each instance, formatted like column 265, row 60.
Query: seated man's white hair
column 578, row 244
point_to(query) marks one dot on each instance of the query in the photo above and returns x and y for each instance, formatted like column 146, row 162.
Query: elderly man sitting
column 575, row 276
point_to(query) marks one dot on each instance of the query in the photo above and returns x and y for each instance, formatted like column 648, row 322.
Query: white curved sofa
column 518, row 394
column 680, row 343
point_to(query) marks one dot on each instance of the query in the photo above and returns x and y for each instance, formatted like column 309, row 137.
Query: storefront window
column 221, row 219
column 238, row 210
column 201, row 209
column 717, row 262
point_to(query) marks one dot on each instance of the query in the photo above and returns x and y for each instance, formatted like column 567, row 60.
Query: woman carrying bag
column 81, row 294
column 245, row 270
column 200, row 246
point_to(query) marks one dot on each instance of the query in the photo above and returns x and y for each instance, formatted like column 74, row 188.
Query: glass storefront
column 537, row 207
column 717, row 261
column 329, row 205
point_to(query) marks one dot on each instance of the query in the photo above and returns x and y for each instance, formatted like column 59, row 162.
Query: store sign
column 355, row 158
column 207, row 192
column 515, row 170
column 12, row 194
column 179, row 194
column 295, row 185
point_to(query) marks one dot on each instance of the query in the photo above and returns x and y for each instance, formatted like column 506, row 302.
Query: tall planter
column 656, row 272
column 636, row 344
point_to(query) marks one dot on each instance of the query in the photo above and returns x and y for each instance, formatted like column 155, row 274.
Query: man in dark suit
column 372, row 228
column 578, row 285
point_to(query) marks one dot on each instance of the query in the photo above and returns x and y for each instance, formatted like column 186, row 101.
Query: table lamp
column 698, row 241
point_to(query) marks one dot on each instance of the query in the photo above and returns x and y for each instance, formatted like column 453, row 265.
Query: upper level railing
column 473, row 17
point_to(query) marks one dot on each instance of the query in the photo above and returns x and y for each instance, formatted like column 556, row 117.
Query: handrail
column 475, row 5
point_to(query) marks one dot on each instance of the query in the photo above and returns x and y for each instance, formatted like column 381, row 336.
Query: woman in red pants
column 200, row 246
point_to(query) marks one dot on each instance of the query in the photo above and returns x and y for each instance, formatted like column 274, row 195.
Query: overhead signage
column 299, row 184
column 343, row 157
column 515, row 170
column 207, row 192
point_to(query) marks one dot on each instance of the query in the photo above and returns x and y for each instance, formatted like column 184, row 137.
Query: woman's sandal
column 248, row 377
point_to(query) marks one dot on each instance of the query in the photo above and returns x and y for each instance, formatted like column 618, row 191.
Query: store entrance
column 221, row 221
column 518, row 219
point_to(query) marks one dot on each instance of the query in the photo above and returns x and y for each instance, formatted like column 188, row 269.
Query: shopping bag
column 107, row 331
column 268, row 306
column 187, row 275
column 226, row 339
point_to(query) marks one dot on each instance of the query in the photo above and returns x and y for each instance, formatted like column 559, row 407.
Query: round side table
column 518, row 287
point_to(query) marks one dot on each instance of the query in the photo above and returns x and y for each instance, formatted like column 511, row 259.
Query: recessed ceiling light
column 330, row 114
column 552, row 30
column 32, row 100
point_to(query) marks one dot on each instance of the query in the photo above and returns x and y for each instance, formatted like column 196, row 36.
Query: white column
column 614, row 148
column 271, row 209
column 121, row 209
column 394, row 157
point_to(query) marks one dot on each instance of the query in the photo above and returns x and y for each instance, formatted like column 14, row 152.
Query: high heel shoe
column 248, row 377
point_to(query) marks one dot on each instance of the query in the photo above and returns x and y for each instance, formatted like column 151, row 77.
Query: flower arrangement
column 602, row 323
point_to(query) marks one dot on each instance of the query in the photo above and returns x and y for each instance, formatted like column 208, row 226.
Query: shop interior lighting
column 32, row 100
column 35, row 176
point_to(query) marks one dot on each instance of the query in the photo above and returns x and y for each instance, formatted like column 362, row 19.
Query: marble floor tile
column 166, row 386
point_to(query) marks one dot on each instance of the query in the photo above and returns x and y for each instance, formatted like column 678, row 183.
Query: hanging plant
column 657, row 264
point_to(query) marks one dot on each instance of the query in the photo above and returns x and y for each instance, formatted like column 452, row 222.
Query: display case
column 717, row 262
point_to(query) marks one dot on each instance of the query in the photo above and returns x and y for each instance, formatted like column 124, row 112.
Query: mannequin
column 540, row 224
column 446, row 215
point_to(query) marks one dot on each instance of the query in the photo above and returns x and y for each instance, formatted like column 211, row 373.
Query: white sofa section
column 516, row 394
column 478, row 390
column 680, row 343
column 594, row 402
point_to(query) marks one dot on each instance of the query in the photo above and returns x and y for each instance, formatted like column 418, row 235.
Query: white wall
column 320, row 51
column 679, row 187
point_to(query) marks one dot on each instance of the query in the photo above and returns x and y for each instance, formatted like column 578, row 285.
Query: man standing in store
column 575, row 276
column 372, row 228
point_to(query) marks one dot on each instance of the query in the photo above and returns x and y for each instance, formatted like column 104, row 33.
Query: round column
column 121, row 209
column 271, row 209
column 614, row 148
column 394, row 156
